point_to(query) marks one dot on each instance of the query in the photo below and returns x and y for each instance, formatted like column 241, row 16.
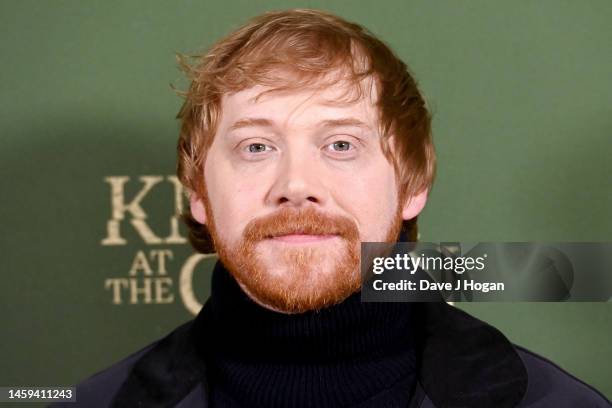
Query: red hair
column 307, row 45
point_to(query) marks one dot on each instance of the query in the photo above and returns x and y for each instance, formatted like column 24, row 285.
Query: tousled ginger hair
column 294, row 49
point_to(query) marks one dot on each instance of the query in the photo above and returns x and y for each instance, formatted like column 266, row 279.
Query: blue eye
column 341, row 146
column 257, row 148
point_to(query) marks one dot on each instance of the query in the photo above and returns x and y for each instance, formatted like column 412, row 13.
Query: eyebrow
column 329, row 123
column 251, row 122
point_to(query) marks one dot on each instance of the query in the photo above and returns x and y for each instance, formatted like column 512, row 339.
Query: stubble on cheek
column 297, row 278
column 294, row 278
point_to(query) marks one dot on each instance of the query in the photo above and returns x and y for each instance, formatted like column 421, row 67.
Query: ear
column 414, row 205
column 198, row 211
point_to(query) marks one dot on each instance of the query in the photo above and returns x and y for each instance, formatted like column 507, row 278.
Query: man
column 303, row 135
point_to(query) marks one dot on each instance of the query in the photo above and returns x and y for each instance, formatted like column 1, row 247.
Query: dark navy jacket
column 464, row 363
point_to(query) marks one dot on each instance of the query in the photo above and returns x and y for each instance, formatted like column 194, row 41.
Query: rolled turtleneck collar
column 360, row 355
column 352, row 354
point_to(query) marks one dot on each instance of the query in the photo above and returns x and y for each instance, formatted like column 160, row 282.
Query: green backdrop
column 521, row 94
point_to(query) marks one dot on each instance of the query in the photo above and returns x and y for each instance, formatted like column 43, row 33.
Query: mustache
column 307, row 221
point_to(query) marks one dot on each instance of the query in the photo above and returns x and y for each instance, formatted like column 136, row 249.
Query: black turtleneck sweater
column 352, row 354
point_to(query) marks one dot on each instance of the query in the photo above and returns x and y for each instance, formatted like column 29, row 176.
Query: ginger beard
column 295, row 278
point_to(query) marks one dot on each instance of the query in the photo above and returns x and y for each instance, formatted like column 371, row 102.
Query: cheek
column 233, row 200
column 371, row 197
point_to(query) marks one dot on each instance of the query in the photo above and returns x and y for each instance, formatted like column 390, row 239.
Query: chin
column 294, row 289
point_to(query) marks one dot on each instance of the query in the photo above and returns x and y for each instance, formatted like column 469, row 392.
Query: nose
column 298, row 182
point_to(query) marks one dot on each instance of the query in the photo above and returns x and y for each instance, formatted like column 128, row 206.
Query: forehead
column 302, row 106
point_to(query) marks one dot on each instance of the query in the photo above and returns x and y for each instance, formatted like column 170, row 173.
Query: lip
column 302, row 238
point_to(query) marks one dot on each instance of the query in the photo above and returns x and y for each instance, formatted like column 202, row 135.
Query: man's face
column 294, row 181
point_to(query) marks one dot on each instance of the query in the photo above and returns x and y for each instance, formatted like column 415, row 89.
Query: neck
column 340, row 356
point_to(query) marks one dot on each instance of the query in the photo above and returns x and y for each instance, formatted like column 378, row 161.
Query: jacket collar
column 464, row 362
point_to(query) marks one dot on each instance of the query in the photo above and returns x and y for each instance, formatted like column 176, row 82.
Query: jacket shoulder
column 100, row 389
column 550, row 386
